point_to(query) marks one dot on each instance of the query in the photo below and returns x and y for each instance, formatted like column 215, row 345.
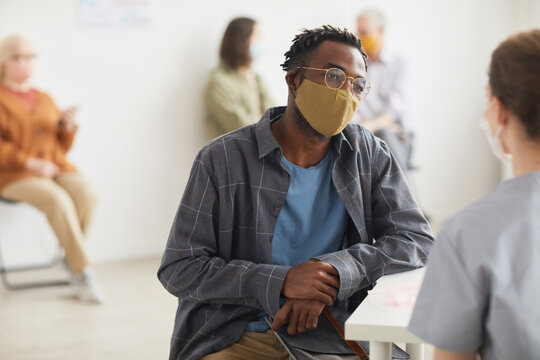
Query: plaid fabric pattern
column 218, row 258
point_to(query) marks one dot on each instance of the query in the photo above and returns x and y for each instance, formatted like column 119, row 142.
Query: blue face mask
column 256, row 50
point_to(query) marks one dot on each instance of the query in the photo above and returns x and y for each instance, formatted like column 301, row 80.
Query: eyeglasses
column 335, row 78
column 19, row 57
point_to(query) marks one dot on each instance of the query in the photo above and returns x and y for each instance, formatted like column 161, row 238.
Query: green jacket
column 230, row 103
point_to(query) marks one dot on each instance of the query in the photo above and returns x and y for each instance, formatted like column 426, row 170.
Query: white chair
column 56, row 258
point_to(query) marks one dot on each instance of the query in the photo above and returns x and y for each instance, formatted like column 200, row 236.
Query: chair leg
column 29, row 285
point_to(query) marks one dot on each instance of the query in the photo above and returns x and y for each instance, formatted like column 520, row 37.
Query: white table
column 383, row 324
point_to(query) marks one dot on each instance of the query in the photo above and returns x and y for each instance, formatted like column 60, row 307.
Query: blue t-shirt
column 312, row 221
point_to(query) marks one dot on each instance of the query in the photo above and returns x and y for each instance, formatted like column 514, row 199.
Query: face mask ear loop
column 506, row 156
column 293, row 94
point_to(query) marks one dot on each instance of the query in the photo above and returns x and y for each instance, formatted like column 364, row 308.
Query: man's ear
column 292, row 78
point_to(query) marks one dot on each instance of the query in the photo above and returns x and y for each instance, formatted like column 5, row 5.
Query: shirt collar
column 265, row 139
column 267, row 143
column 339, row 139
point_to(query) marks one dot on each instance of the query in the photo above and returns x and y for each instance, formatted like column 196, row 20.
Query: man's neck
column 298, row 147
column 16, row 86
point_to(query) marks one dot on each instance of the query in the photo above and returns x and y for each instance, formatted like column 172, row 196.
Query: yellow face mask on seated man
column 327, row 110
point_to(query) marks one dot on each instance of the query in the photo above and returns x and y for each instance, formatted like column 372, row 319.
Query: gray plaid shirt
column 218, row 259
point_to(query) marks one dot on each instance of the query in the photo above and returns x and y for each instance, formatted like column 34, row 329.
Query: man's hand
column 300, row 314
column 42, row 168
column 314, row 280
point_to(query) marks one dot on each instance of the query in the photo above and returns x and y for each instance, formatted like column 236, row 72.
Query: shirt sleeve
column 65, row 139
column 11, row 156
column 451, row 304
column 398, row 98
column 191, row 267
column 402, row 236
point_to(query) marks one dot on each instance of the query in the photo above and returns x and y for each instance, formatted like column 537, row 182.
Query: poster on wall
column 115, row 13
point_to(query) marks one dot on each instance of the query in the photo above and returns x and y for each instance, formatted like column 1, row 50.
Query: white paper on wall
column 115, row 13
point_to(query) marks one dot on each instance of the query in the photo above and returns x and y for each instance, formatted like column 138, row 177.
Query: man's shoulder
column 483, row 223
column 231, row 146
column 507, row 204
column 362, row 139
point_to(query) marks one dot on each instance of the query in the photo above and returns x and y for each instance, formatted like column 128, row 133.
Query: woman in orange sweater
column 34, row 139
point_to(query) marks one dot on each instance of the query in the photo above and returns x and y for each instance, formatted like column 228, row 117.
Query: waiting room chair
column 56, row 259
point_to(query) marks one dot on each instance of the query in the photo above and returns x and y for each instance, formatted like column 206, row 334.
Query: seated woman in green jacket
column 235, row 95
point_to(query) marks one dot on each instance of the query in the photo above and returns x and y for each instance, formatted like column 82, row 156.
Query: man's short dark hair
column 307, row 41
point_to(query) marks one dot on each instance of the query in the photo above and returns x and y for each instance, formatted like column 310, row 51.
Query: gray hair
column 375, row 17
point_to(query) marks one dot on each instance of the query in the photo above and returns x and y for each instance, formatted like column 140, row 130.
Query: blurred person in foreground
column 481, row 289
column 286, row 216
column 386, row 111
column 34, row 139
column 235, row 94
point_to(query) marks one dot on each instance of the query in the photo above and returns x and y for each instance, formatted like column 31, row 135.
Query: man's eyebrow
column 332, row 65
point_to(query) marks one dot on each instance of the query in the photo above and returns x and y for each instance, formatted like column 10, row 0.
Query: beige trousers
column 252, row 346
column 68, row 201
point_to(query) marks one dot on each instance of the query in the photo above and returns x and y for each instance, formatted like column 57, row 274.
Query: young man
column 298, row 211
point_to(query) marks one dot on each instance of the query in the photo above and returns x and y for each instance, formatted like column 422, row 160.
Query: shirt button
column 285, row 175
column 277, row 207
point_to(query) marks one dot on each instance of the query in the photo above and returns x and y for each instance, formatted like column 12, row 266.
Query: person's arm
column 402, row 234
column 66, row 138
column 67, row 128
column 224, row 108
column 445, row 355
column 11, row 156
column 191, row 268
column 398, row 107
column 453, row 301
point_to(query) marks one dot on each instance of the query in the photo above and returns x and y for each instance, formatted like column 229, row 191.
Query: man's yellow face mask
column 327, row 110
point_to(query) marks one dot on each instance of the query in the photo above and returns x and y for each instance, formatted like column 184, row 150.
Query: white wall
column 139, row 91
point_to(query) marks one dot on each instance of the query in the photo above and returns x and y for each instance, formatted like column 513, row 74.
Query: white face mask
column 256, row 50
column 495, row 142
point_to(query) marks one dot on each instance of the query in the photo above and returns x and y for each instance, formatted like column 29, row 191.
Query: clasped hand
column 309, row 287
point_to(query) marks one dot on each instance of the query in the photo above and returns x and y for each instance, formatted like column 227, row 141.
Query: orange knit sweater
column 28, row 133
